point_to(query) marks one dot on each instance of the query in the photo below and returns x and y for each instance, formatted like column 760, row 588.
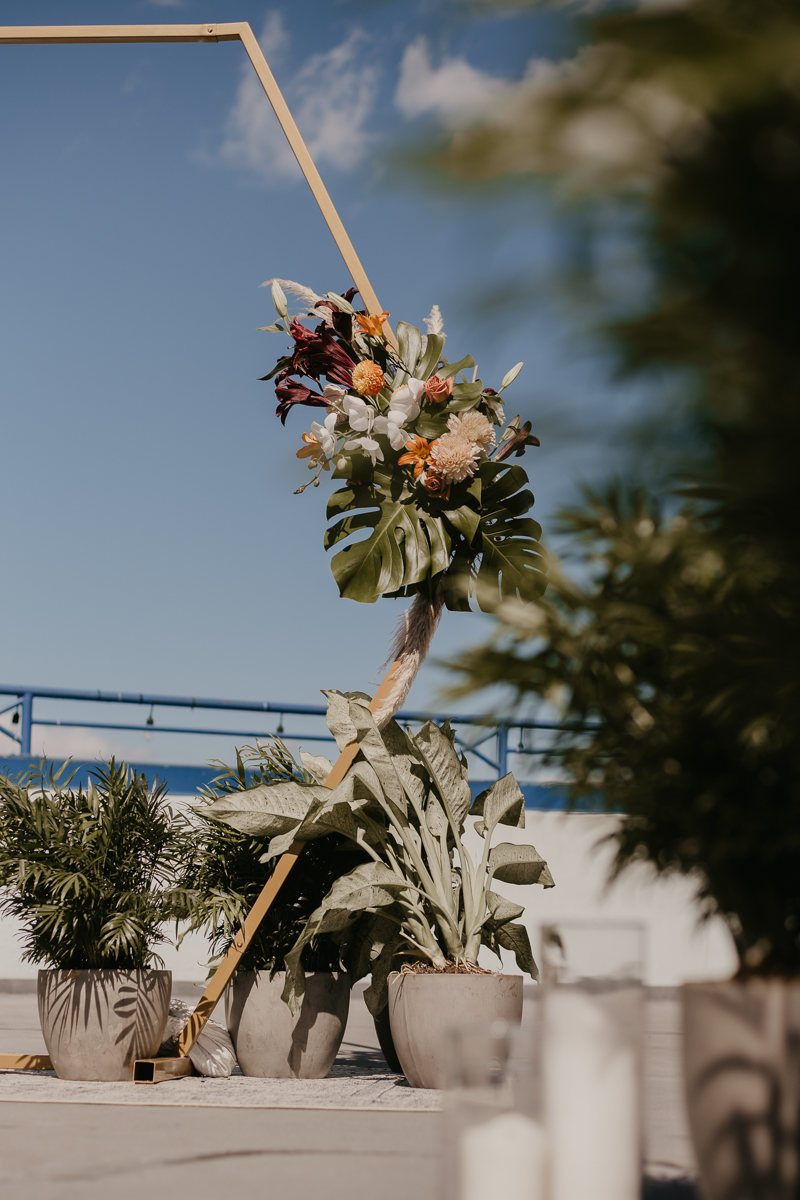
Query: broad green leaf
column 276, row 328
column 465, row 395
column 502, row 910
column 374, row 749
column 437, row 746
column 515, row 938
column 451, row 369
column 318, row 766
column 337, row 717
column 430, row 358
column 404, row 545
column 267, row 810
column 501, row 804
column 465, row 519
column 406, row 762
column 377, row 994
column 369, row 885
column 409, row 342
column 519, row 864
column 512, row 560
column 367, row 938
column 431, row 423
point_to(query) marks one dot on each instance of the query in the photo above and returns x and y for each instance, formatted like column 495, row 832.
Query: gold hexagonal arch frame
column 158, row 1070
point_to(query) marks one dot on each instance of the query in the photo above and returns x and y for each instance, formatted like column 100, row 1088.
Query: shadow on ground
column 668, row 1189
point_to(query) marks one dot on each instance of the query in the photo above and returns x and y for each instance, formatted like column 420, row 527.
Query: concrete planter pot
column 422, row 1008
column 96, row 1023
column 741, row 1051
column 273, row 1044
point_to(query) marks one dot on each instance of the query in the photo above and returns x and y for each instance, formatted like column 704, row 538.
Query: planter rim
column 282, row 974
column 104, row 971
column 450, row 975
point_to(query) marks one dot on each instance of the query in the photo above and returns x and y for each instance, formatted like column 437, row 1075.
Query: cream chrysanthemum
column 475, row 427
column 455, row 456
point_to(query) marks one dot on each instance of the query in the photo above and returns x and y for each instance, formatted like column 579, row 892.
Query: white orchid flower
column 325, row 434
column 371, row 447
column 360, row 415
column 406, row 399
column 392, row 426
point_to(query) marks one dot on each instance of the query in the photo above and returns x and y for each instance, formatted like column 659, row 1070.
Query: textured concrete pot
column 741, row 1054
column 422, row 1008
column 95, row 1023
column 273, row 1044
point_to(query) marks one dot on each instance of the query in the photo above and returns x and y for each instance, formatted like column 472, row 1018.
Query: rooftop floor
column 359, row 1132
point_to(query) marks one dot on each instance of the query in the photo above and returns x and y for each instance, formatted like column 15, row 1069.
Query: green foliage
column 682, row 652
column 91, row 874
column 230, row 868
column 684, row 646
column 478, row 539
column 403, row 802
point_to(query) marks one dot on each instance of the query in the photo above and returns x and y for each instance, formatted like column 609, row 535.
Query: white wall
column 678, row 949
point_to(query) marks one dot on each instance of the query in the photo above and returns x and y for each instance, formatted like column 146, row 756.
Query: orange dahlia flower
column 368, row 378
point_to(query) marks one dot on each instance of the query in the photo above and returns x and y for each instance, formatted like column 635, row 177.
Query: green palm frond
column 91, row 873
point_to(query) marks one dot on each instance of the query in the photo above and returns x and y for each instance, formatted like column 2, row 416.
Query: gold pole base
column 161, row 1070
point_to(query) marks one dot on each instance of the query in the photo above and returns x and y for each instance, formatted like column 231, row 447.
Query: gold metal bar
column 313, row 177
column 51, row 35
column 25, row 1062
column 161, row 1070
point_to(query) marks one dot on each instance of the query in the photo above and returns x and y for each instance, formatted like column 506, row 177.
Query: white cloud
column 455, row 92
column 330, row 97
column 168, row 3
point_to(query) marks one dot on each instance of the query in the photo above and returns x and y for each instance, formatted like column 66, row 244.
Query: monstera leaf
column 406, row 544
column 511, row 557
column 480, row 532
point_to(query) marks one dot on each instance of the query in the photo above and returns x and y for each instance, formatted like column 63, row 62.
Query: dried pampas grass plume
column 411, row 644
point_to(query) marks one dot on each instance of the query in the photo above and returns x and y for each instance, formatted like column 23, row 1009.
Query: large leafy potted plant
column 225, row 877
column 404, row 803
column 91, row 874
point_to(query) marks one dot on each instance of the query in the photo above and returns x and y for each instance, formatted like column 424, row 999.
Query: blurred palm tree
column 683, row 645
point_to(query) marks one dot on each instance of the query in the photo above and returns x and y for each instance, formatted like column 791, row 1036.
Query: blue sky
column 151, row 539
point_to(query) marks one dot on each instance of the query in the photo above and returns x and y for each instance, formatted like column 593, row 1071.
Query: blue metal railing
column 22, row 707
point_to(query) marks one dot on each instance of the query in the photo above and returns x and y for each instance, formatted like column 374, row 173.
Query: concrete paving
column 168, row 1150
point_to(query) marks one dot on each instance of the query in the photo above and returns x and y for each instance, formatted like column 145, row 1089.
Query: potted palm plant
column 90, row 873
column 404, row 803
column 225, row 877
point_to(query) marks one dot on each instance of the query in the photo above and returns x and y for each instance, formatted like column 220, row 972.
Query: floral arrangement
column 418, row 446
